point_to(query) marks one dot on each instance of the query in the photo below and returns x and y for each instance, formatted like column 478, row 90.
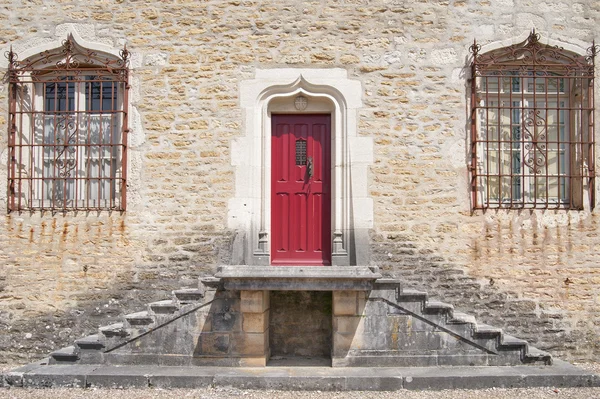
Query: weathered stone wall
column 534, row 273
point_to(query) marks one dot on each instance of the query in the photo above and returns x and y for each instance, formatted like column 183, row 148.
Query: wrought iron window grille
column 67, row 130
column 532, row 127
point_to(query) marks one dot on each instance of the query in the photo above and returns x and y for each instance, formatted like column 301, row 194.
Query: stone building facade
column 205, row 78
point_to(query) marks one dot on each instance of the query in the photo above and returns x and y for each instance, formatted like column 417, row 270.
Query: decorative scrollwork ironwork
column 530, row 53
column 125, row 54
column 535, row 136
column 79, row 90
column 66, row 139
column 528, row 92
column 592, row 51
column 475, row 48
column 70, row 57
column 11, row 56
column 533, row 37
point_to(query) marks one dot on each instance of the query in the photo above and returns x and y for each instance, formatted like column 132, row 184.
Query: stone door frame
column 249, row 210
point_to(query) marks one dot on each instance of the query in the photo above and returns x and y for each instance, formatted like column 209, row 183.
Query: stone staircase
column 95, row 348
column 392, row 326
column 481, row 344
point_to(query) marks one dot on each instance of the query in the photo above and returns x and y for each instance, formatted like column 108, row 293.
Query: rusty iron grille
column 68, row 130
column 532, row 127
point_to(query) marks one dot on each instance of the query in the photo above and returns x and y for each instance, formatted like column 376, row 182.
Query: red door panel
column 300, row 190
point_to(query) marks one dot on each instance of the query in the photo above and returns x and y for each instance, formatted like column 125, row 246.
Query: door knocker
column 309, row 167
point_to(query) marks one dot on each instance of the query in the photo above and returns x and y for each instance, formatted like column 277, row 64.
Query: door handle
column 309, row 167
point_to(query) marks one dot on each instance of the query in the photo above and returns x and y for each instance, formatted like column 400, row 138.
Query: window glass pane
column 506, row 134
column 516, row 85
column 506, row 188
column 505, row 116
column 493, row 160
column 553, row 188
column 71, row 172
column 553, row 160
column 490, row 84
column 494, row 187
column 59, row 96
column 101, row 95
column 493, row 133
column 516, row 160
column 540, row 188
column 555, row 84
column 516, row 188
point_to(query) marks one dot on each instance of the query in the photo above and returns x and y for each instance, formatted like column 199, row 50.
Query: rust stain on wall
column 110, row 226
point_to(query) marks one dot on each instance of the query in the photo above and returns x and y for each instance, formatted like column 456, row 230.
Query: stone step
column 410, row 295
column 188, row 295
column 409, row 292
column 510, row 341
column 487, row 331
column 535, row 355
column 67, row 354
column 90, row 349
column 139, row 318
column 437, row 307
column 210, row 282
column 387, row 283
column 91, row 342
column 164, row 307
column 462, row 318
column 114, row 330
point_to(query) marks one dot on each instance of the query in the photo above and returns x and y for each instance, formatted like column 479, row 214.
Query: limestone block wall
column 534, row 273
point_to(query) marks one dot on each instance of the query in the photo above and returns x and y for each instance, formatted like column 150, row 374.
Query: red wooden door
column 300, row 190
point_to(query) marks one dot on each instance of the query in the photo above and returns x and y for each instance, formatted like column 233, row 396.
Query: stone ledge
column 298, row 278
column 302, row 378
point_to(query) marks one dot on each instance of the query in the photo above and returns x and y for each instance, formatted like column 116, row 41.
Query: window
column 68, row 130
column 532, row 133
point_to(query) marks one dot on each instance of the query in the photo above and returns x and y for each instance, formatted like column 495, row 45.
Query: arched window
column 532, row 133
column 67, row 130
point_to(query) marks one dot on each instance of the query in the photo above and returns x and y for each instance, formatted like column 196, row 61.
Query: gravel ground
column 530, row 393
column 533, row 393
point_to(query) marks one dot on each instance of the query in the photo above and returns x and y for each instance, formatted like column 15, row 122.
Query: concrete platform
column 40, row 375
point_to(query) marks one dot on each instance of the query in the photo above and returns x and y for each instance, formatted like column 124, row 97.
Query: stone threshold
column 298, row 278
column 561, row 374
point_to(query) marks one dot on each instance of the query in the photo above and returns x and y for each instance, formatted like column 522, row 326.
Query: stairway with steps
column 425, row 332
column 96, row 348
column 389, row 326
